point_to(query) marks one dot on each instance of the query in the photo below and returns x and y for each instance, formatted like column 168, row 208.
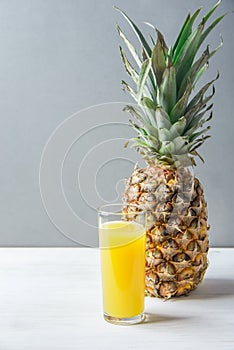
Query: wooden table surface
column 50, row 298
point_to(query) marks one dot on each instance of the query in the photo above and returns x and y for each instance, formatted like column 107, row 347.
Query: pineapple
column 169, row 119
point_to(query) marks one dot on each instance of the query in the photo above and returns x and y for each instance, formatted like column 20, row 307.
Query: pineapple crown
column 170, row 120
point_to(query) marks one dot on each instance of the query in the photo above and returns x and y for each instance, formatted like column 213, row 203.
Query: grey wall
column 59, row 56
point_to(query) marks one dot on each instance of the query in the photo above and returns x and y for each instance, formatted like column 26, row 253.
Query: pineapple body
column 177, row 239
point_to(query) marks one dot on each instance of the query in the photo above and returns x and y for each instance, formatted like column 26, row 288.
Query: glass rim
column 102, row 209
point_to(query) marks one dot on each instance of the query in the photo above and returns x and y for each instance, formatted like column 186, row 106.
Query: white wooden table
column 50, row 298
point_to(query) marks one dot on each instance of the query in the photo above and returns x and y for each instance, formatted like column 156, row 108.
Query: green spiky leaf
column 127, row 87
column 162, row 118
column 130, row 70
column 184, row 34
column 207, row 16
column 180, row 106
column 143, row 75
column 167, row 96
column 178, row 128
column 188, row 54
column 164, row 135
column 138, row 33
column 158, row 61
column 129, row 46
column 148, row 103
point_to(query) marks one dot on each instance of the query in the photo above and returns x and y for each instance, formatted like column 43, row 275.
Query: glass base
column 124, row 321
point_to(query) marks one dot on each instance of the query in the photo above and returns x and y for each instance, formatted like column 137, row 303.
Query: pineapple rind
column 177, row 228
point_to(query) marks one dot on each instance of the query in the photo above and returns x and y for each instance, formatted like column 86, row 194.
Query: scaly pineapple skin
column 177, row 229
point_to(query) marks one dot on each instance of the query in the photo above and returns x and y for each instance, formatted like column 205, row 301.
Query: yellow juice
column 123, row 268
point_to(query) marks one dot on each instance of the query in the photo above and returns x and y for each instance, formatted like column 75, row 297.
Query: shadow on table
column 155, row 318
column 213, row 288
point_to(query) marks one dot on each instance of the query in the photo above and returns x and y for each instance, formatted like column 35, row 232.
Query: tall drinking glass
column 122, row 249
